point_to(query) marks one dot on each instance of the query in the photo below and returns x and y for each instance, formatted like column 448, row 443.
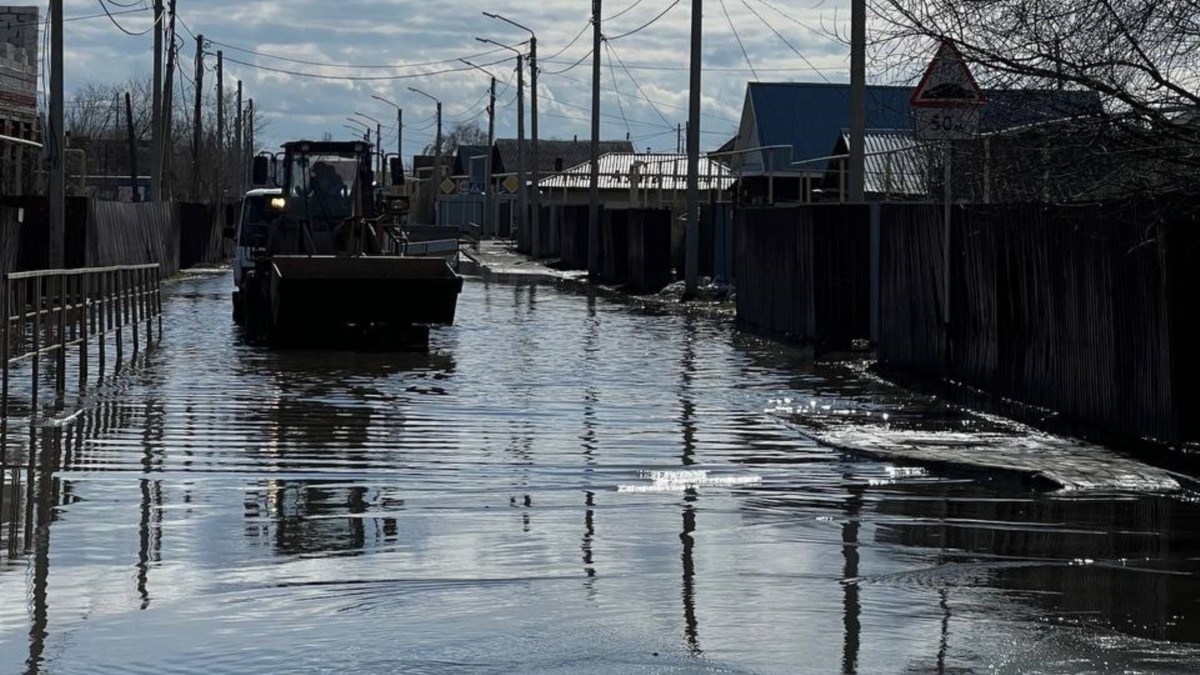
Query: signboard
column 948, row 101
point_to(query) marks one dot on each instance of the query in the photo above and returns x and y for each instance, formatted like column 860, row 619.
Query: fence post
column 60, row 369
column 37, row 343
column 118, row 311
column 132, row 305
column 150, row 305
column 4, row 347
column 84, row 333
column 102, row 306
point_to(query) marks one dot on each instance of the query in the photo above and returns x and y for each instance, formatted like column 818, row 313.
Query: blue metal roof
column 811, row 116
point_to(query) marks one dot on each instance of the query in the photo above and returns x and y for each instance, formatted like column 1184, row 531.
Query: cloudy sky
column 311, row 63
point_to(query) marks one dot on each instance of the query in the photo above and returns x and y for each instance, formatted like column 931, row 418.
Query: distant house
column 553, row 155
column 635, row 179
column 782, row 151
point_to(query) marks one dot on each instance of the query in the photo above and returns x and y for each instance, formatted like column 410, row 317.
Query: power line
column 613, row 52
column 572, row 42
column 785, row 41
column 570, row 67
column 124, row 29
column 647, row 24
column 351, row 66
column 620, row 106
column 621, row 13
column 354, row 78
column 738, row 38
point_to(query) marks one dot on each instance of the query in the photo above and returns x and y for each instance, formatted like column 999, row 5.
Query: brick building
column 18, row 98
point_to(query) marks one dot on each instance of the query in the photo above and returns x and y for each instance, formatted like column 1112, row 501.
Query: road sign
column 947, row 82
column 948, row 102
column 511, row 184
column 448, row 186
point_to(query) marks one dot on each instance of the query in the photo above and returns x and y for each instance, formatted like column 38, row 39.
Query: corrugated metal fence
column 100, row 234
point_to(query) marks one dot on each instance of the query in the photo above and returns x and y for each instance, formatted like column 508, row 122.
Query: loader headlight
column 278, row 203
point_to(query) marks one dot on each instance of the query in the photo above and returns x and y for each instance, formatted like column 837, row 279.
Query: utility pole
column 594, row 183
column 219, row 164
column 58, row 140
column 197, row 117
column 156, row 99
column 678, row 138
column 133, row 167
column 489, row 198
column 248, row 152
column 533, row 98
column 523, row 194
column 692, row 233
column 858, row 98
column 437, row 157
column 167, row 113
column 239, row 143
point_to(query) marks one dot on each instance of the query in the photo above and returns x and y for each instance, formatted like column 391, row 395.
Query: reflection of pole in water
column 589, row 533
column 691, row 624
column 149, row 527
column 943, row 646
column 687, row 372
column 40, row 610
column 851, row 608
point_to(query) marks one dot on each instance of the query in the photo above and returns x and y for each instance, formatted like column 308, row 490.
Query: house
column 553, row 155
column 787, row 129
column 628, row 179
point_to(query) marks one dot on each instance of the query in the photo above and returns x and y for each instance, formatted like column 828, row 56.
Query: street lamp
column 488, row 225
column 399, row 126
column 533, row 128
column 437, row 148
column 522, row 194
column 378, row 142
column 363, row 125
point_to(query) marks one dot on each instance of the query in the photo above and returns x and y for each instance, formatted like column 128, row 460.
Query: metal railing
column 47, row 313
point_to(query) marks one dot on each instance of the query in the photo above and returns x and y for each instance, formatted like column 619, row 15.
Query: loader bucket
column 383, row 296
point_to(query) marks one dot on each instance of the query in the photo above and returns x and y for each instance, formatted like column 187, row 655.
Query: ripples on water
column 222, row 509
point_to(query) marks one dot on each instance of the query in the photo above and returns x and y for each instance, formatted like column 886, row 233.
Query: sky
column 397, row 44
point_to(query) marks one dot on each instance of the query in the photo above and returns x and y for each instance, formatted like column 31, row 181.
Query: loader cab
column 326, row 182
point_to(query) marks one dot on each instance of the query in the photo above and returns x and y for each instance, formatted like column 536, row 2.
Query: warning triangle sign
column 947, row 82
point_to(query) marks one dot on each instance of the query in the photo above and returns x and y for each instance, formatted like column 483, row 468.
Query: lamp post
column 437, row 150
column 487, row 162
column 533, row 128
column 522, row 194
column 363, row 126
column 399, row 126
column 378, row 143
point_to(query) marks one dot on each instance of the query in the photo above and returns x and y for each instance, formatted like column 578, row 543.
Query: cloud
column 418, row 43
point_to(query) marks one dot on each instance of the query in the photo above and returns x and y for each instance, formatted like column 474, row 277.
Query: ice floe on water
column 686, row 479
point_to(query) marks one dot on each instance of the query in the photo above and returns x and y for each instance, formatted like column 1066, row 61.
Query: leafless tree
column 1140, row 57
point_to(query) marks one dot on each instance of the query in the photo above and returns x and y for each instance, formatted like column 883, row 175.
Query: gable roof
column 462, row 158
column 810, row 116
column 896, row 163
column 571, row 153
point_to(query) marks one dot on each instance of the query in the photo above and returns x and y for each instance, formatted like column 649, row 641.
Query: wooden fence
column 1076, row 309
column 803, row 272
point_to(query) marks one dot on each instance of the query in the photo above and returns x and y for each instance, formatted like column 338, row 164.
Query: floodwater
column 563, row 485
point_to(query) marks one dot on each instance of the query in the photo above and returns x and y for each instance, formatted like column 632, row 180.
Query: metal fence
column 46, row 314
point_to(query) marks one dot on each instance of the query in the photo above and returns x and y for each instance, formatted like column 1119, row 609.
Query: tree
column 1141, row 57
column 465, row 133
column 95, row 120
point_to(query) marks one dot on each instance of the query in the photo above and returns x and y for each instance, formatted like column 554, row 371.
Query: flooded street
column 562, row 485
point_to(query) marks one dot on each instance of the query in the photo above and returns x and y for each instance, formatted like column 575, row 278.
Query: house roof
column 550, row 152
column 896, row 163
column 810, row 117
column 462, row 158
column 667, row 171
